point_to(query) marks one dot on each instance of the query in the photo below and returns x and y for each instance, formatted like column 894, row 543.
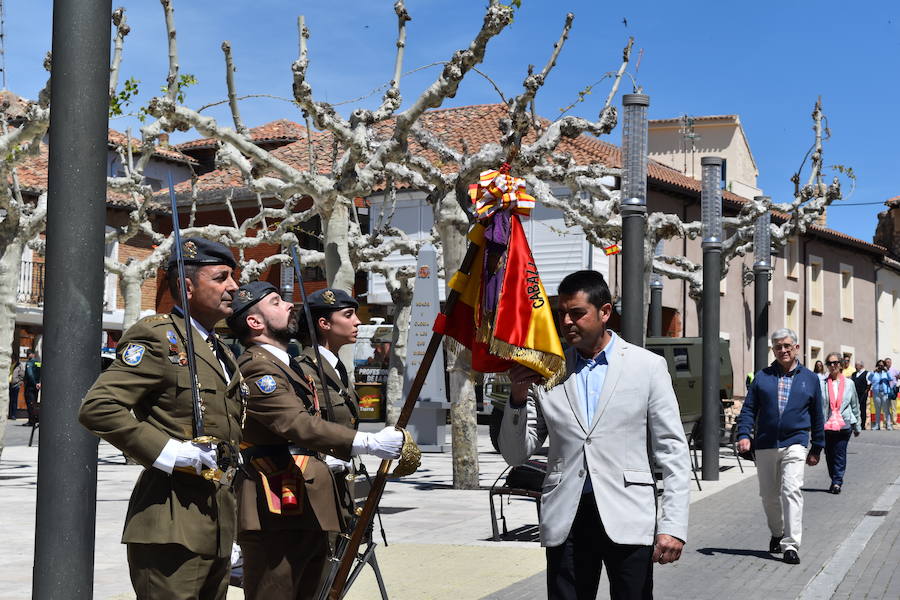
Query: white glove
column 385, row 444
column 196, row 456
column 337, row 465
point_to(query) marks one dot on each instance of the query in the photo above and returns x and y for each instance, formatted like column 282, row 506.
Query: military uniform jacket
column 345, row 403
column 280, row 412
column 150, row 377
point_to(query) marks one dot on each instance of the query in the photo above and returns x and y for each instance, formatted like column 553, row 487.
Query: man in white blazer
column 610, row 421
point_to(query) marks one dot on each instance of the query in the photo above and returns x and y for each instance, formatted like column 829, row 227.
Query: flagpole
column 367, row 513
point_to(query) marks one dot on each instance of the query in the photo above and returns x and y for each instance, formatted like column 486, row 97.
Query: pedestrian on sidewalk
column 32, row 382
column 15, row 384
column 784, row 406
column 895, row 387
column 882, row 396
column 180, row 525
column 841, row 410
column 819, row 369
column 608, row 427
column 846, row 369
column 861, row 381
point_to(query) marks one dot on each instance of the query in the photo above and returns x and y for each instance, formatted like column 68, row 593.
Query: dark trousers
column 31, row 396
column 573, row 568
column 283, row 565
column 13, row 400
column 173, row 572
column 836, row 454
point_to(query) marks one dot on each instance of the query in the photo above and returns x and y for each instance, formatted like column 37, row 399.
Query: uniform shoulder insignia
column 266, row 384
column 157, row 318
column 133, row 354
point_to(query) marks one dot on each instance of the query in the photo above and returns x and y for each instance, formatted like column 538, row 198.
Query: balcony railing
column 31, row 284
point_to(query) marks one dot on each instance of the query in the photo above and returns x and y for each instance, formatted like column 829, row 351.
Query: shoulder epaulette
column 157, row 318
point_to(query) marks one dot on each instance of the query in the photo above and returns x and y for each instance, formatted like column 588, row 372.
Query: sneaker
column 791, row 557
column 775, row 545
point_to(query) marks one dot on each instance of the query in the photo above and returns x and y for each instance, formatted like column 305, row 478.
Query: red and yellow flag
column 503, row 314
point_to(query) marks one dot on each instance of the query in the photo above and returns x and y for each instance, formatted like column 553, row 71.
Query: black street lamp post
column 76, row 219
column 711, row 213
column 762, row 270
column 634, row 214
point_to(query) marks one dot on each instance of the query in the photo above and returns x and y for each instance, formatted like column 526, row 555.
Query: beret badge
column 328, row 297
column 190, row 249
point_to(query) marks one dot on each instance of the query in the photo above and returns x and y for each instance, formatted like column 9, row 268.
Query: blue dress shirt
column 591, row 373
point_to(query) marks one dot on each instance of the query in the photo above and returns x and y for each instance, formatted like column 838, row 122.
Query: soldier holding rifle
column 181, row 519
column 297, row 439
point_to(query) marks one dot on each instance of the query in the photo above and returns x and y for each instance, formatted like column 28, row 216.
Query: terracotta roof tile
column 733, row 118
column 117, row 138
column 282, row 130
column 33, row 170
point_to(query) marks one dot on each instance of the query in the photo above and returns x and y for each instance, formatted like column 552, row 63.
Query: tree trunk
column 464, row 428
column 130, row 287
column 10, row 269
column 402, row 299
column 452, row 227
column 339, row 271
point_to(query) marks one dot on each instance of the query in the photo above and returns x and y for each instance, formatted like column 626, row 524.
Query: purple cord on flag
column 496, row 236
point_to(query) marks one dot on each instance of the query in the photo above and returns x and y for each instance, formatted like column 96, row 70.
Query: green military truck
column 684, row 358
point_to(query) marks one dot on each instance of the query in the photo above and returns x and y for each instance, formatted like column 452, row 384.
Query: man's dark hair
column 238, row 324
column 190, row 272
column 589, row 282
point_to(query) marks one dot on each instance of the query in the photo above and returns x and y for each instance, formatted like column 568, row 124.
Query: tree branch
column 229, row 82
column 122, row 29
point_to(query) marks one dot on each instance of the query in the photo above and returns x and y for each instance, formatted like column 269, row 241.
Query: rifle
column 347, row 547
column 227, row 456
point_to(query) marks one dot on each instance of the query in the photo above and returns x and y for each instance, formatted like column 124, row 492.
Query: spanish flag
column 503, row 314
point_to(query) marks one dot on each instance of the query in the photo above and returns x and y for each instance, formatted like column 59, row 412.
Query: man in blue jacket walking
column 784, row 406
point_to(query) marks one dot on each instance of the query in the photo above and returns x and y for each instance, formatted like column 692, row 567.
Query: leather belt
column 270, row 450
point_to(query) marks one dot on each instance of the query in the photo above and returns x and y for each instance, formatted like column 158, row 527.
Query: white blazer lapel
column 613, row 371
column 572, row 392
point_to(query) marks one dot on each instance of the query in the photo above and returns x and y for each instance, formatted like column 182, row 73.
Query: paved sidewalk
column 439, row 538
column 726, row 553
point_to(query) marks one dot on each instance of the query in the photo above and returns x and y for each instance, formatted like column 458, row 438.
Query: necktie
column 342, row 371
column 219, row 351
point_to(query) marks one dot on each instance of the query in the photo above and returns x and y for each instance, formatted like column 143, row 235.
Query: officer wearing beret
column 180, row 526
column 288, row 503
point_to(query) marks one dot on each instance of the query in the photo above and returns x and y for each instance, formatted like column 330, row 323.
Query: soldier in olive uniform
column 290, row 501
column 180, row 526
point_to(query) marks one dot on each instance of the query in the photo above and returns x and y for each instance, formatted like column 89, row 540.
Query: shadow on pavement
column 738, row 552
column 525, row 533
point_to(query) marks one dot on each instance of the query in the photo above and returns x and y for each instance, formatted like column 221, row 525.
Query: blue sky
column 765, row 61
